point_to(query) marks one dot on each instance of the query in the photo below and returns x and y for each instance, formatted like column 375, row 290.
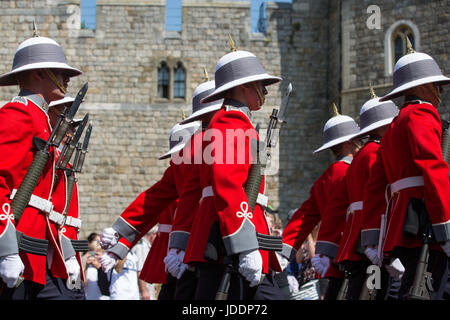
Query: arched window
column 399, row 39
column 395, row 42
column 179, row 84
column 163, row 81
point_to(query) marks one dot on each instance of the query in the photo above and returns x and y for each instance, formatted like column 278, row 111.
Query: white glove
column 108, row 238
column 250, row 266
column 293, row 283
column 395, row 269
column 172, row 262
column 108, row 261
column 182, row 270
column 321, row 263
column 11, row 268
column 73, row 269
column 446, row 247
column 372, row 254
column 282, row 261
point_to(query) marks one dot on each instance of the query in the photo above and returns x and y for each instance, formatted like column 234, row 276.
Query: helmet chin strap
column 56, row 81
column 262, row 99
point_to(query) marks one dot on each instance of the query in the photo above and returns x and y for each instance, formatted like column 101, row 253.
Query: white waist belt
column 410, row 182
column 355, row 206
column 166, row 228
column 47, row 207
column 261, row 200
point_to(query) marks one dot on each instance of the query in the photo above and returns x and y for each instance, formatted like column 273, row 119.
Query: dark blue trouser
column 54, row 289
column 210, row 276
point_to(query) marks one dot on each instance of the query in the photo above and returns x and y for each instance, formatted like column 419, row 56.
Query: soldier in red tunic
column 409, row 176
column 224, row 224
column 41, row 71
column 144, row 212
column 189, row 199
column 338, row 135
column 374, row 117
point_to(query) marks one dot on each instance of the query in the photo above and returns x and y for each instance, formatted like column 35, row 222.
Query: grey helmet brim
column 236, row 68
column 375, row 114
column 183, row 131
column 413, row 70
column 337, row 130
column 37, row 53
column 200, row 109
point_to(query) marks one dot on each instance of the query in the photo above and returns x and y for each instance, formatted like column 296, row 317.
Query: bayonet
column 84, row 149
column 68, row 119
column 281, row 120
column 65, row 158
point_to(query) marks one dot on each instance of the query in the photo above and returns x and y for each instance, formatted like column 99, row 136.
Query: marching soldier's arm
column 333, row 221
column 187, row 207
column 143, row 213
column 300, row 225
column 424, row 133
column 15, row 143
column 374, row 203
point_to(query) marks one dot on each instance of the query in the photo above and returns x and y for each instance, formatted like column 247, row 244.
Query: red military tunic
column 190, row 197
column 19, row 123
column 313, row 211
column 226, row 177
column 411, row 147
column 355, row 182
column 153, row 270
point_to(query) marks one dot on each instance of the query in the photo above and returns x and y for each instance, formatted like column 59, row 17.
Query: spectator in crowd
column 310, row 287
column 124, row 279
column 96, row 284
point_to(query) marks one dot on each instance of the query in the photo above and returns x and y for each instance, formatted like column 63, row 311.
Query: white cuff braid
column 250, row 266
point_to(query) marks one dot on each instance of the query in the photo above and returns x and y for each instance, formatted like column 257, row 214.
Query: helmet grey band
column 380, row 112
column 340, row 130
column 196, row 105
column 237, row 69
column 414, row 71
column 43, row 52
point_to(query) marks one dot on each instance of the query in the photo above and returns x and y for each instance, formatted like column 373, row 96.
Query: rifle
column 253, row 184
column 64, row 158
column 366, row 293
column 422, row 285
column 344, row 287
column 34, row 171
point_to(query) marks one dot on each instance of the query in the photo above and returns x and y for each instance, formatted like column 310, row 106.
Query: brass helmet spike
column 35, row 29
column 409, row 46
column 372, row 92
column 205, row 73
column 183, row 116
column 335, row 110
column 230, row 40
